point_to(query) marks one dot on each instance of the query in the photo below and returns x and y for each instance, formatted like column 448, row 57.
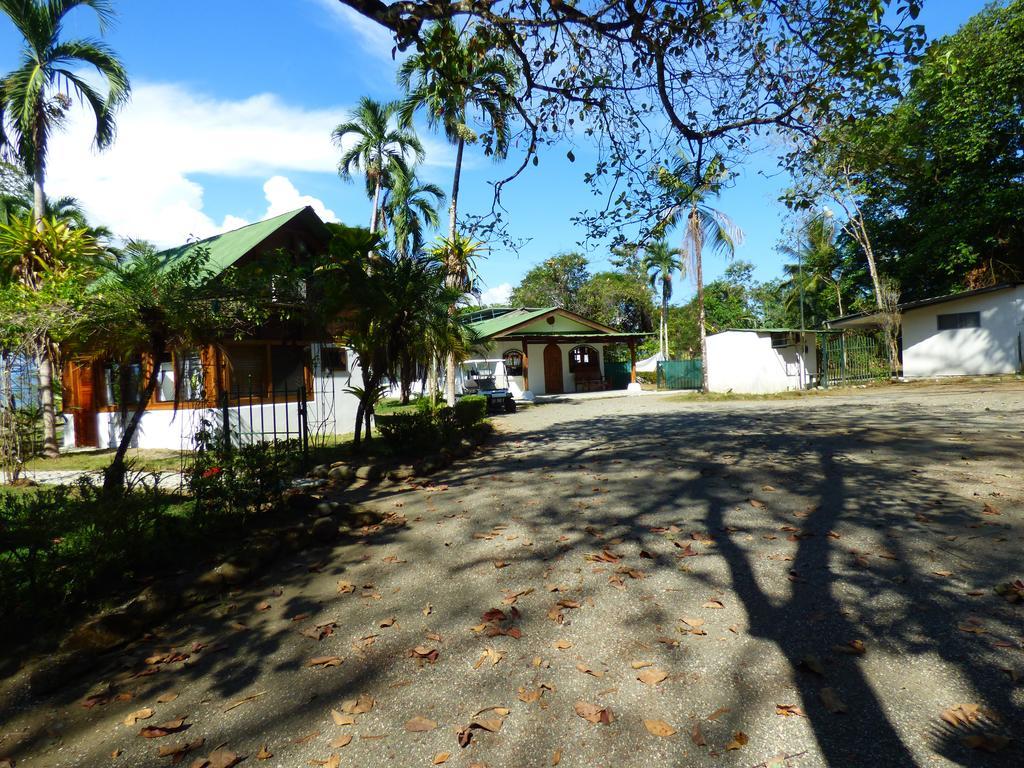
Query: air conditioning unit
column 785, row 339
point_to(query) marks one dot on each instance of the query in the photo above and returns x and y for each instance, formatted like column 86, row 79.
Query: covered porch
column 551, row 351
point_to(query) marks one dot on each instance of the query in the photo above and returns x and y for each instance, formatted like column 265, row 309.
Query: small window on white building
column 334, row 359
column 958, row 320
column 513, row 360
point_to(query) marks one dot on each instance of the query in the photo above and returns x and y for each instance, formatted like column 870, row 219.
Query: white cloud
column 282, row 196
column 144, row 185
column 373, row 38
column 499, row 294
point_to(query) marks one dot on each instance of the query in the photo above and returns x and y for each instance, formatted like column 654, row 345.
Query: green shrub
column 469, row 410
column 409, row 430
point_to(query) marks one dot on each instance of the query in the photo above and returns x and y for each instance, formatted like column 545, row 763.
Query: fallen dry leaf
column 652, row 676
column 340, row 719
column 563, row 645
column 139, row 714
column 758, row 504
column 441, row 757
column 556, row 757
column 264, row 753
column 659, row 728
column 358, row 706
column 831, row 700
column 788, row 710
column 593, row 713
column 852, row 648
column 341, row 741
column 166, row 698
column 325, row 661
column 243, row 700
column 739, row 740
column 177, row 752
column 223, row 758
column 164, row 729
column 714, row 604
column 962, row 714
column 697, row 736
column 489, row 655
column 420, row 724
column 589, row 671
column 641, row 664
column 987, row 742
column 718, row 713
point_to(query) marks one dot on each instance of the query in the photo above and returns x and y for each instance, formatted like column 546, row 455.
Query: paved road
column 747, row 551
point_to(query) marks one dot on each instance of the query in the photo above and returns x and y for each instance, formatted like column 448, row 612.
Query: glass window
column 513, row 360
column 582, row 357
column 287, row 369
column 957, row 320
column 165, row 380
column 248, row 370
column 334, row 359
column 122, row 383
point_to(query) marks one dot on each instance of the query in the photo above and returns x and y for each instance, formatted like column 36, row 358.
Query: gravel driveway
column 632, row 582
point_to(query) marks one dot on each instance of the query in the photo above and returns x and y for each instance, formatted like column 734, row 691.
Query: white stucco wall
column 332, row 411
column 535, row 364
column 990, row 349
column 745, row 362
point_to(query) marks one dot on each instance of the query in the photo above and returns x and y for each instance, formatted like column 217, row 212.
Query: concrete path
column 787, row 583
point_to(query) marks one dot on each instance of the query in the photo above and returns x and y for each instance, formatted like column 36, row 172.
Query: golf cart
column 488, row 378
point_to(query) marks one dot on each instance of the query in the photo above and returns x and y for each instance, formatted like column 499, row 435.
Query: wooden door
column 80, row 386
column 553, row 370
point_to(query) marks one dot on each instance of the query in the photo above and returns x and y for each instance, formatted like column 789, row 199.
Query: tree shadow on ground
column 848, row 538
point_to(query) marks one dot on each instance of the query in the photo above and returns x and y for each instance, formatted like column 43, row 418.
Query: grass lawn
column 150, row 460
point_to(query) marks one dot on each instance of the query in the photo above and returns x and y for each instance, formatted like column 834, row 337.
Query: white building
column 973, row 333
column 761, row 361
column 548, row 350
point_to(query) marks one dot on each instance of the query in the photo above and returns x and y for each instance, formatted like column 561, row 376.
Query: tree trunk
column 45, row 356
column 113, row 476
column 357, row 437
column 452, row 267
column 839, row 298
column 664, row 317
column 376, row 203
column 698, row 263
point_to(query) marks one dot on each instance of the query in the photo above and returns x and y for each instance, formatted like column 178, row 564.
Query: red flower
column 211, row 472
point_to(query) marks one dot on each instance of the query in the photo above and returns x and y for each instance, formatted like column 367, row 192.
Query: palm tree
column 411, row 206
column 34, row 100
column 687, row 186
column 458, row 254
column 817, row 262
column 456, row 80
column 660, row 261
column 382, row 148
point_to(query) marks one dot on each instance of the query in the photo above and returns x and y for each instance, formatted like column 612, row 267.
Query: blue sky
column 230, row 121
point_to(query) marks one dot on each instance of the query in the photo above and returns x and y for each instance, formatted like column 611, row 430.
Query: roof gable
column 538, row 322
column 228, row 248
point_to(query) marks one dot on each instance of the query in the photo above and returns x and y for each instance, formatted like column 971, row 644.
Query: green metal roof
column 494, row 326
column 228, row 247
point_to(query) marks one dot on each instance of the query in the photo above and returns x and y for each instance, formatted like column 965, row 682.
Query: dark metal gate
column 680, row 374
column 853, row 358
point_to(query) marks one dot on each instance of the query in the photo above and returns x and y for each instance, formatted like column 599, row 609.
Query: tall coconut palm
column 382, row 147
column 687, row 187
column 659, row 262
column 458, row 79
column 34, row 100
column 411, row 206
column 817, row 263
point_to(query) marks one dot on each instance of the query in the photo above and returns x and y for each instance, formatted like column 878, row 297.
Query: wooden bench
column 589, row 380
